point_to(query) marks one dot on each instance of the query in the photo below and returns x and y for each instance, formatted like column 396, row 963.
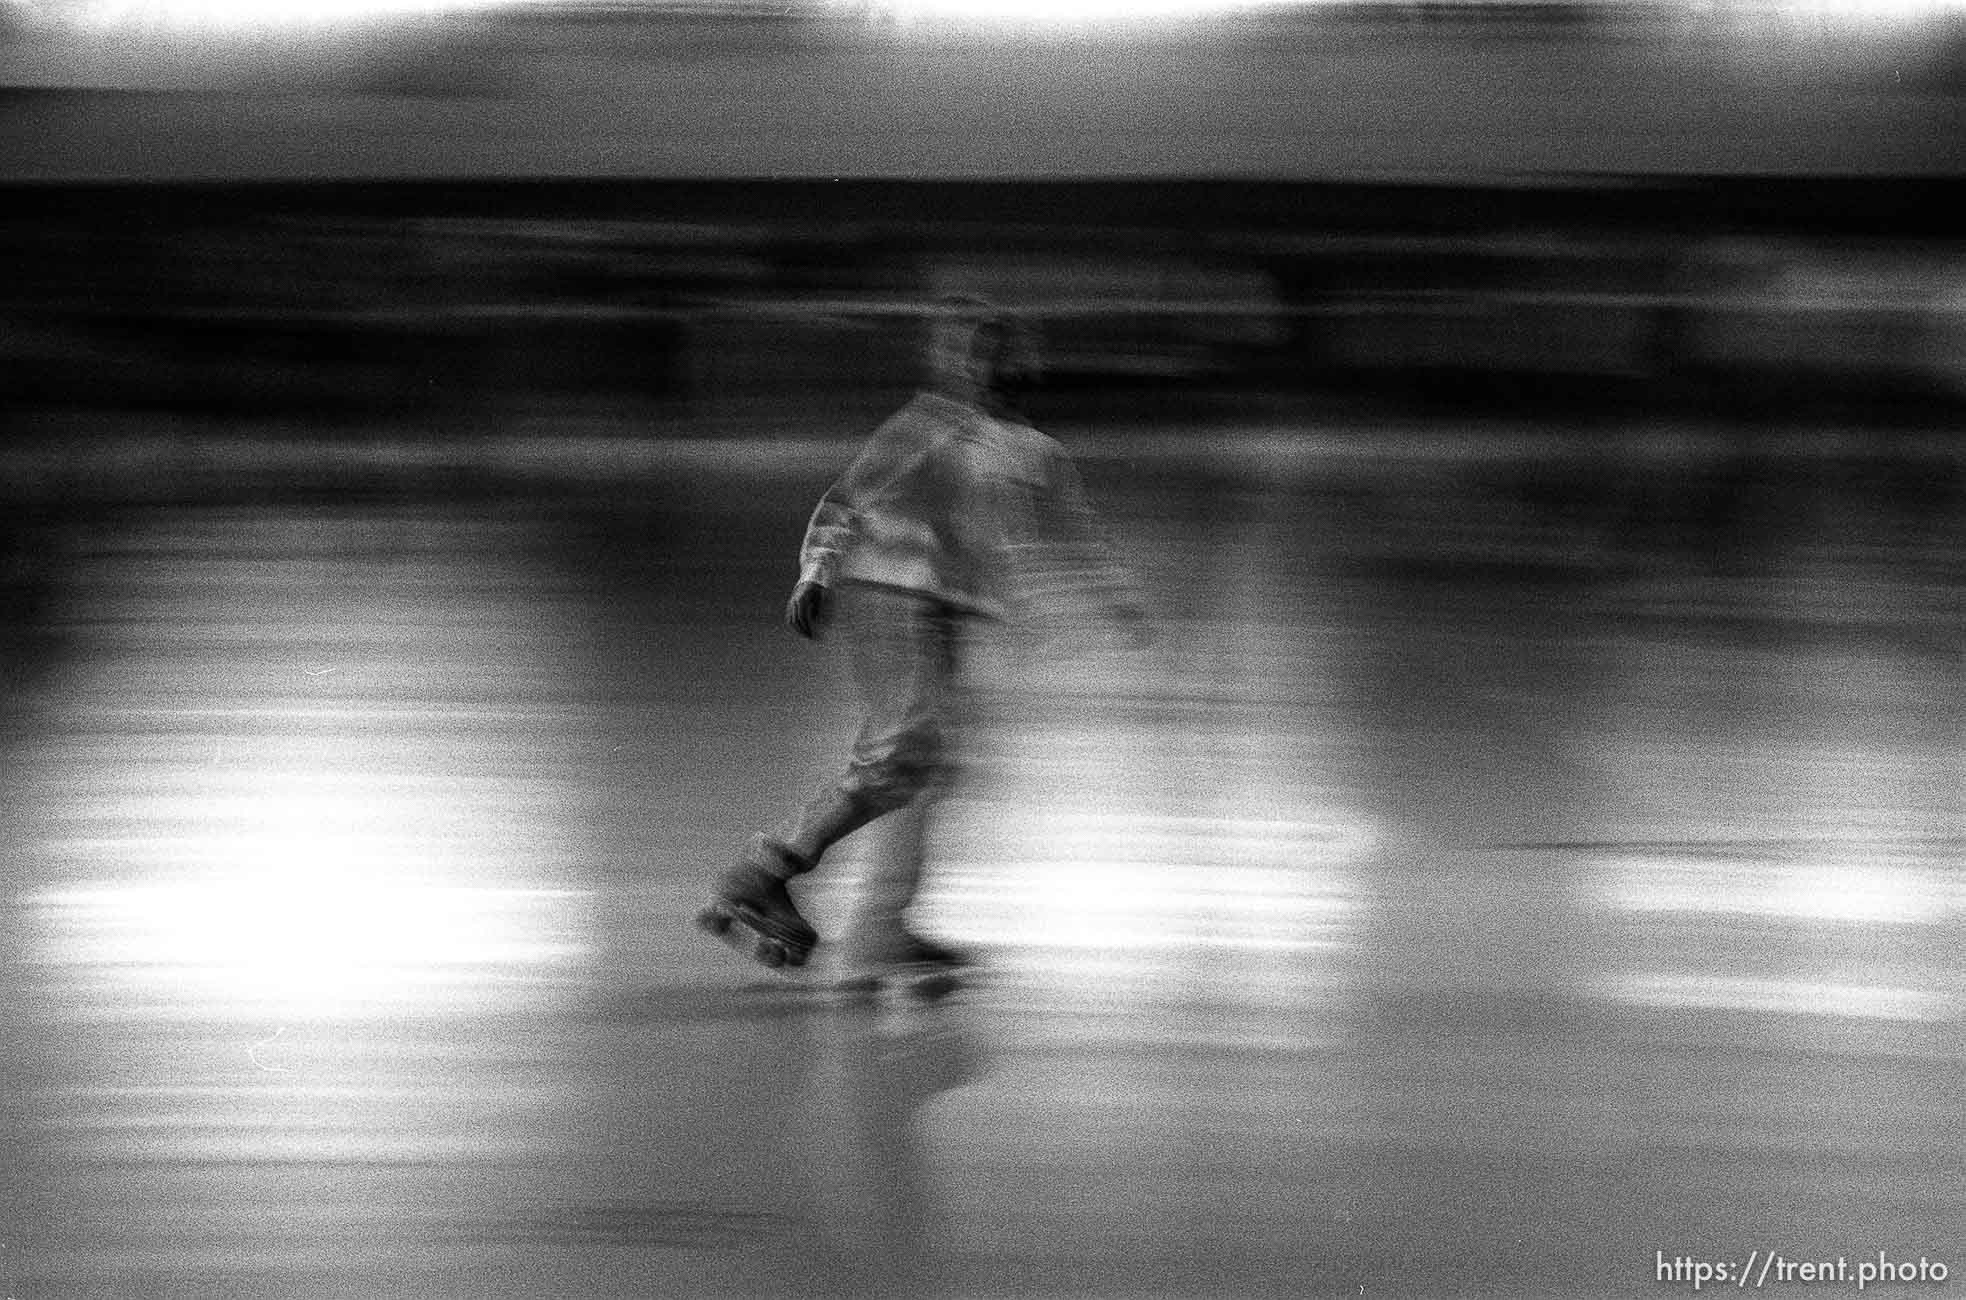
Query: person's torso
column 963, row 490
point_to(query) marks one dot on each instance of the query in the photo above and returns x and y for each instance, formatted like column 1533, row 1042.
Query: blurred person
column 956, row 510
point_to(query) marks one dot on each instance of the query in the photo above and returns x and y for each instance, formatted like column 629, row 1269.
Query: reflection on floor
column 1369, row 934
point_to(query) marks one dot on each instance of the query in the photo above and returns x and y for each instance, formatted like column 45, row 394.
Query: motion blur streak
column 275, row 791
column 1396, row 90
column 1527, row 848
column 356, row 833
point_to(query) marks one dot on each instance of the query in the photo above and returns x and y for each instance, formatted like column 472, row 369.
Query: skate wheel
column 933, row 988
column 711, row 921
column 771, row 953
column 796, row 956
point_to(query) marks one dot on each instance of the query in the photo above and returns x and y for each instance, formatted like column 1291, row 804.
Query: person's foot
column 768, row 855
column 752, row 894
column 896, row 946
column 925, row 967
column 919, row 950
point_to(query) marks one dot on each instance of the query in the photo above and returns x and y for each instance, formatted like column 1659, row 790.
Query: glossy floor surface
column 1479, row 889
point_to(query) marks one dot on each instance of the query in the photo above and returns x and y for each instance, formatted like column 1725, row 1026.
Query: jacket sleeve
column 1079, row 540
column 836, row 519
column 828, row 534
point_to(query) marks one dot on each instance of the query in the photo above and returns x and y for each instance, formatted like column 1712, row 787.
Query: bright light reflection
column 1144, row 887
column 313, row 941
column 246, row 15
column 1886, row 10
column 1859, row 890
column 1786, row 997
column 241, row 16
column 305, row 892
column 1847, row 891
column 1069, row 13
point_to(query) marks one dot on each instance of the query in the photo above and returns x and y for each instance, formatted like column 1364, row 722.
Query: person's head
column 975, row 349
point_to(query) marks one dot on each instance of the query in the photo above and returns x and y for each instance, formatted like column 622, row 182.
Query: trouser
column 903, row 649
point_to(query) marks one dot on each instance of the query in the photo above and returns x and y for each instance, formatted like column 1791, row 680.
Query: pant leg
column 893, row 863
column 910, row 761
column 902, row 651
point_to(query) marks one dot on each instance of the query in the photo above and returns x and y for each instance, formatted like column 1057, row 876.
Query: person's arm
column 835, row 521
column 1086, row 548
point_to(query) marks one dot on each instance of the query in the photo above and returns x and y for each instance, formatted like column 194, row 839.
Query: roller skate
column 924, row 968
column 754, row 913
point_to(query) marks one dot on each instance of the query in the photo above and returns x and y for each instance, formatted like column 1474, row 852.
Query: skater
column 953, row 511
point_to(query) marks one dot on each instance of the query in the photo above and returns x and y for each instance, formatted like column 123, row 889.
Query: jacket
column 984, row 513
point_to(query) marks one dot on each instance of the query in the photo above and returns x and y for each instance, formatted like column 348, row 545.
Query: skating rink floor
column 1476, row 891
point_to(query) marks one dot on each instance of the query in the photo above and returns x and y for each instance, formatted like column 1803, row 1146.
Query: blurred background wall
column 465, row 308
column 454, row 219
column 1287, row 89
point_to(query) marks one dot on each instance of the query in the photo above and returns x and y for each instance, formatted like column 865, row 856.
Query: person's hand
column 805, row 612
